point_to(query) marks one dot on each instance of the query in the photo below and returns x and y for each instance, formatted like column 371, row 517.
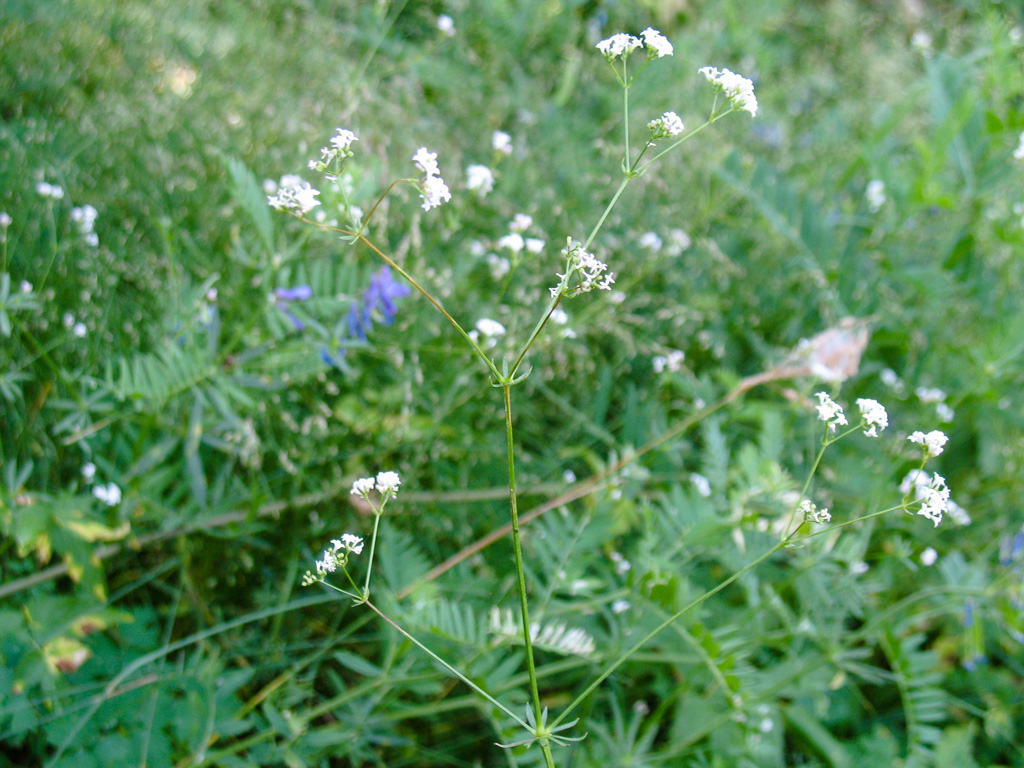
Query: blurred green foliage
column 168, row 629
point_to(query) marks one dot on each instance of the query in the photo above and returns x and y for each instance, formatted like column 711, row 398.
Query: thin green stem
column 623, row 657
column 476, row 347
column 448, row 666
column 373, row 547
column 625, row 111
column 531, row 669
column 607, row 210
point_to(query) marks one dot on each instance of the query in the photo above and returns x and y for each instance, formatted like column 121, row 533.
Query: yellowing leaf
column 65, row 654
column 90, row 530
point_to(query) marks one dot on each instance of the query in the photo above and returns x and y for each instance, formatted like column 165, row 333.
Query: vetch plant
column 580, row 270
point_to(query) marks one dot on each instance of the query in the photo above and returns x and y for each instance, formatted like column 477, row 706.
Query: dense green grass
column 235, row 445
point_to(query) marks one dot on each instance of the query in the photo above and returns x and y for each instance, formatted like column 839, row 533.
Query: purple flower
column 380, row 296
column 331, row 360
column 298, row 293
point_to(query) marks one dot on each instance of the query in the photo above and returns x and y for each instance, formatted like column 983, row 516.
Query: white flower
column 874, row 415
column 621, row 606
column 25, row 286
column 502, row 142
column 589, row 271
column 533, row 245
column 426, row 161
column 738, row 90
column 921, row 41
column 68, row 320
column 296, row 197
column 657, row 44
column 812, row 514
column 830, row 412
column 521, row 222
column 348, row 543
column 945, row 413
column 669, row 124
column 78, row 330
column 933, row 443
column 109, row 494
column 435, row 192
column 622, row 565
column 559, row 316
column 479, row 179
column 701, row 483
column 362, row 487
column 341, row 143
column 618, row 45
column 1019, row 151
column 84, row 217
column 446, row 25
column 50, row 191
column 672, row 362
column 490, row 327
column 89, row 471
column 387, row 483
column 874, row 193
column 930, row 394
column 678, row 241
column 929, row 556
column 5, row 220
column 932, row 491
column 433, row 189
column 650, row 241
column 513, row 241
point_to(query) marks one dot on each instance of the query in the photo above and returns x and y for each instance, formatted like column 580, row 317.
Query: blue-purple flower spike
column 298, row 293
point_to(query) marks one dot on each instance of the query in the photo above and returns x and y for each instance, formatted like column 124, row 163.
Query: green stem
column 625, row 109
column 391, row 262
column 520, row 572
column 622, row 658
column 607, row 210
column 373, row 547
column 449, row 667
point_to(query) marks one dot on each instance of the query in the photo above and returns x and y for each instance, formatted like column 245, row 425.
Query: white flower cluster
column 1019, row 151
column 737, row 89
column 295, row 196
column 84, row 218
column 933, row 492
column 812, row 514
column 669, row 124
column 479, row 179
column 623, row 45
column 339, row 149
column 672, row 362
column 50, row 191
column 874, row 193
column 501, row 142
column 933, row 443
column 386, row 484
column 590, row 271
column 109, row 494
column 334, row 557
column 873, row 415
column 830, row 412
column 433, row 189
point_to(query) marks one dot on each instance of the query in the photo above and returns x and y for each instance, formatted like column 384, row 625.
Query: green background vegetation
column 235, row 445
